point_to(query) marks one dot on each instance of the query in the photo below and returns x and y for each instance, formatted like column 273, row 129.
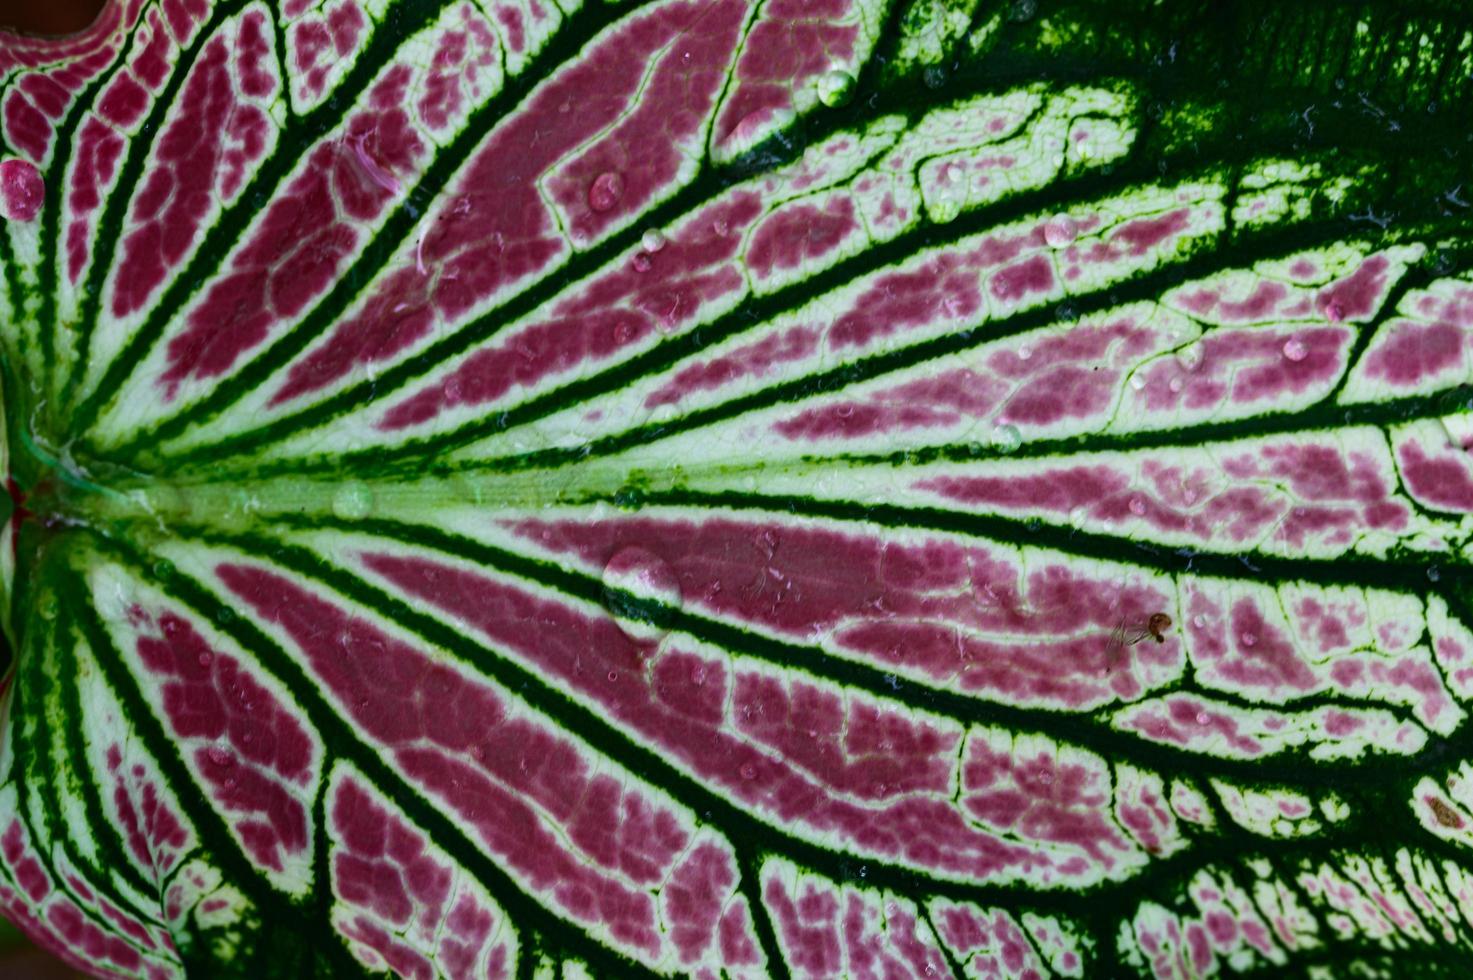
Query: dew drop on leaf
column 835, row 88
column 652, row 240
column 642, row 592
column 353, row 501
column 1294, row 350
column 605, row 191
column 1006, row 438
column 1060, row 232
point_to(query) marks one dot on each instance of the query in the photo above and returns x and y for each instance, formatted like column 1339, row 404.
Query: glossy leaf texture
column 798, row 488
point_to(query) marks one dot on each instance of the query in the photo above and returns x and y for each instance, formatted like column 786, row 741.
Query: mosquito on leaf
column 1129, row 632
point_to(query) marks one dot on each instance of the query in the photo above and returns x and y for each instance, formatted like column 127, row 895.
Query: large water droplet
column 1294, row 350
column 605, row 190
column 1060, row 232
column 642, row 592
column 1006, row 438
column 22, row 190
column 353, row 501
column 835, row 88
column 652, row 240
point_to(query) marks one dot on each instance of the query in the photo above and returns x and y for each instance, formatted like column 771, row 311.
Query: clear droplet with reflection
column 642, row 593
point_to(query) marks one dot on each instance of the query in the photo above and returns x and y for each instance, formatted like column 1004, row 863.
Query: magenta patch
column 257, row 749
column 22, row 190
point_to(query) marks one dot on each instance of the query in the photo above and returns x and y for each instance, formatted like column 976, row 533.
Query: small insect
column 1128, row 634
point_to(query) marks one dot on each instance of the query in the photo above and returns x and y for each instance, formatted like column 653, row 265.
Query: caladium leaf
column 824, row 488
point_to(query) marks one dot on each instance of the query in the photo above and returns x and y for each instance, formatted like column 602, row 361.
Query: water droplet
column 835, row 88
column 220, row 757
column 748, row 771
column 1060, row 232
column 641, row 591
column 1190, row 357
column 1137, row 381
column 1199, row 621
column 1006, row 438
column 48, row 605
column 22, row 190
column 613, row 675
column 225, row 616
column 1202, row 718
column 641, row 262
column 652, row 240
column 353, row 501
column 1248, row 639
column 205, row 659
column 1023, row 10
column 163, row 569
column 605, row 190
column 1024, row 353
column 1138, row 506
column 1433, row 573
column 952, row 172
column 1176, row 384
column 1295, row 350
column 1334, row 312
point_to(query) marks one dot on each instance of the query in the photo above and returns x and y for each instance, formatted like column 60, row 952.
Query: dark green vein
column 399, row 22
column 885, row 686
column 343, row 741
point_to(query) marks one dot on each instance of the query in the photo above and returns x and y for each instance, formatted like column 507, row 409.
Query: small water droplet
column 225, row 616
column 1024, row 353
column 163, row 569
column 1202, row 718
column 613, row 675
column 1023, row 10
column 1138, row 506
column 952, row 172
column 205, row 659
column 835, row 88
column 1060, row 232
column 1137, row 381
column 605, row 190
column 22, row 190
column 353, row 501
column 652, row 240
column 1190, row 357
column 641, row 591
column 1334, row 312
column 1294, row 350
column 1006, row 438
column 1433, row 573
column 220, row 757
column 748, row 771
column 1248, row 639
column 1199, row 621
column 1176, row 384
column 720, row 228
column 641, row 262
